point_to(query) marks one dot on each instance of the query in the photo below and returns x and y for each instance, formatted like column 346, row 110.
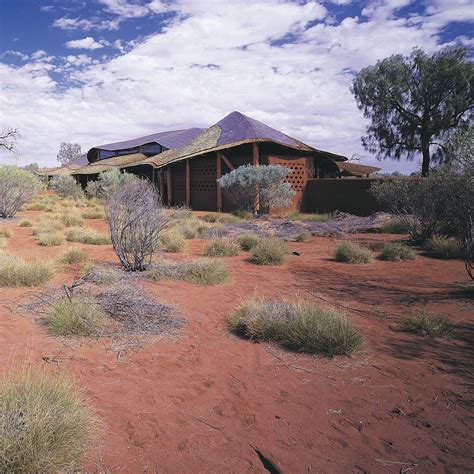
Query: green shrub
column 45, row 425
column 248, row 241
column 222, row 247
column 302, row 327
column 172, row 242
column 108, row 183
column 427, row 324
column 351, row 252
column 74, row 317
column 442, row 247
column 199, row 272
column 66, row 186
column 86, row 236
column 73, row 255
column 50, row 239
column 25, row 223
column 17, row 187
column 269, row 251
column 72, row 219
column 393, row 252
column 15, row 272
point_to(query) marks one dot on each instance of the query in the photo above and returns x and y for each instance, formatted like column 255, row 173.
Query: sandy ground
column 205, row 401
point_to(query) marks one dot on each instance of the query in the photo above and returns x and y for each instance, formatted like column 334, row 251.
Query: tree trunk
column 425, row 165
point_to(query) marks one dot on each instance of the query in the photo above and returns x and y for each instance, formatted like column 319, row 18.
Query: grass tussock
column 192, row 229
column 45, row 425
column 26, row 223
column 5, row 233
column 302, row 327
column 248, row 241
column 269, row 251
column 102, row 274
column 444, row 248
column 199, row 272
column 16, row 272
column 46, row 224
column 394, row 252
column 302, row 236
column 299, row 216
column 35, row 206
column 222, row 247
column 74, row 317
column 352, row 252
column 71, row 219
column 73, row 255
column 93, row 214
column 221, row 218
column 3, row 242
column 172, row 242
column 50, row 239
column 87, row 236
column 393, row 226
column 427, row 324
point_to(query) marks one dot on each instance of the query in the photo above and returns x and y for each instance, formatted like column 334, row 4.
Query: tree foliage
column 136, row 221
column 251, row 187
column 17, row 186
column 413, row 102
column 66, row 186
column 108, row 183
column 457, row 152
column 68, row 152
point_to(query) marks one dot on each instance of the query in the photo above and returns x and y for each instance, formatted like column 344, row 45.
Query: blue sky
column 95, row 71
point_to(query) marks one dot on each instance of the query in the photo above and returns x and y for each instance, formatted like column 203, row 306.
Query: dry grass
column 5, row 233
column 15, row 271
column 192, row 229
column 393, row 252
column 25, row 223
column 46, row 224
column 221, row 218
column 71, row 219
column 223, row 247
column 444, row 248
column 427, row 324
column 352, row 252
column 50, row 239
column 93, row 214
column 393, row 227
column 73, row 255
column 302, row 236
column 248, row 241
column 87, row 236
column 172, row 242
column 74, row 317
column 199, row 272
column 45, row 425
column 269, row 251
column 102, row 275
column 303, row 327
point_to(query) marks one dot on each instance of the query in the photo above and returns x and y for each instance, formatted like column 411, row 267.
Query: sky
column 99, row 71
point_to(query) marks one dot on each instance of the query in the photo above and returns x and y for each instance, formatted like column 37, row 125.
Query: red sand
column 204, row 401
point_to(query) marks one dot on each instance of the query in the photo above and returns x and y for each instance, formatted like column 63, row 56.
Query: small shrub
column 108, row 183
column 15, row 272
column 25, row 223
column 269, row 251
column 427, row 324
column 5, row 233
column 71, row 219
column 395, row 226
column 45, row 425
column 66, row 186
column 199, row 272
column 302, row 236
column 248, row 241
column 73, row 255
column 86, row 236
column 222, row 247
column 17, row 187
column 93, row 214
column 442, row 247
column 393, row 252
column 172, row 242
column 74, row 317
column 302, row 327
column 50, row 239
column 351, row 252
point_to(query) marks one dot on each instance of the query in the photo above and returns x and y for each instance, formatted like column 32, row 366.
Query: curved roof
column 356, row 169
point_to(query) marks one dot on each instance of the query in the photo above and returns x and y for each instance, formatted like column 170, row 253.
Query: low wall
column 346, row 195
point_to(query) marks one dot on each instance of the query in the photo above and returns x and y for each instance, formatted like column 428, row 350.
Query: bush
column 199, row 272
column 248, row 241
column 87, row 236
column 74, row 317
column 302, row 327
column 66, row 186
column 17, row 187
column 351, row 252
column 393, row 252
column 222, row 247
column 45, row 425
column 108, row 183
column 15, row 272
column 71, row 219
column 136, row 221
column 73, row 255
column 269, row 251
column 442, row 247
column 25, row 223
column 172, row 242
column 50, row 239
column 250, row 187
column 427, row 324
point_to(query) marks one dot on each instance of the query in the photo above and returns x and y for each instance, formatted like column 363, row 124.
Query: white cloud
column 84, row 43
column 71, row 24
column 18, row 54
column 166, row 81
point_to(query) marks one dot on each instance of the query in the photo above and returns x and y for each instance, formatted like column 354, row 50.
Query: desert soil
column 206, row 401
